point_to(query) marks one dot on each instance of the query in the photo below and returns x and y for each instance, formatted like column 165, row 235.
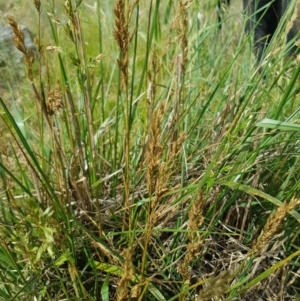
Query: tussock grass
column 150, row 160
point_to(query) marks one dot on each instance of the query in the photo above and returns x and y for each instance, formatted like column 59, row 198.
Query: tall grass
column 150, row 159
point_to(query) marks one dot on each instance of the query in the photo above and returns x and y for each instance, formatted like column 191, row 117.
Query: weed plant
column 150, row 159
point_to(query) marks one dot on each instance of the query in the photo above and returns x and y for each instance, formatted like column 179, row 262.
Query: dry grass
column 146, row 178
column 272, row 226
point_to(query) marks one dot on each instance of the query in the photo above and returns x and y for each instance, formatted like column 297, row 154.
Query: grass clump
column 147, row 159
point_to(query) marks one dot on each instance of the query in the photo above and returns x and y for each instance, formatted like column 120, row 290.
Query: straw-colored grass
column 147, row 158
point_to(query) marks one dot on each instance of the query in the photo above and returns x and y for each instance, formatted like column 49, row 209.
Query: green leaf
column 268, row 272
column 62, row 259
column 109, row 268
column 253, row 191
column 155, row 292
column 117, row 271
column 278, row 125
column 105, row 289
